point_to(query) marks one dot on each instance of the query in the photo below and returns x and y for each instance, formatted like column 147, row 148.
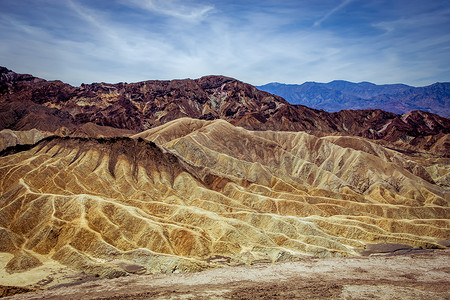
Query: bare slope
column 206, row 192
column 10, row 138
column 27, row 102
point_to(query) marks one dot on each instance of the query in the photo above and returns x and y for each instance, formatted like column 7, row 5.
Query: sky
column 261, row 41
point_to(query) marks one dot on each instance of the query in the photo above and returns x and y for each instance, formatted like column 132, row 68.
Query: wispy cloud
column 174, row 8
column 77, row 41
column 332, row 12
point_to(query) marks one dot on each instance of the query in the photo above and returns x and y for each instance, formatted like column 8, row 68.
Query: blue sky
column 257, row 42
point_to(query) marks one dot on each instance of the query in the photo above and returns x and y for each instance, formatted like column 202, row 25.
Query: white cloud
column 174, row 8
column 332, row 12
column 258, row 48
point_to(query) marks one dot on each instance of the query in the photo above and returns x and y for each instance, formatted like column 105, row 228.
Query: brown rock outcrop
column 27, row 102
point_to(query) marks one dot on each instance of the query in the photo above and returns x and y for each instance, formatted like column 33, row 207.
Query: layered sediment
column 195, row 194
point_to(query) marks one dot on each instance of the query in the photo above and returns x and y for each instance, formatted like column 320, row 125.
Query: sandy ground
column 411, row 276
column 50, row 273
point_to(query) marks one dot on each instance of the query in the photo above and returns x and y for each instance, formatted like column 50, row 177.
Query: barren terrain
column 107, row 181
column 413, row 276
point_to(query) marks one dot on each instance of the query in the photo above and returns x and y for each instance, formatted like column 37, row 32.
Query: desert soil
column 423, row 275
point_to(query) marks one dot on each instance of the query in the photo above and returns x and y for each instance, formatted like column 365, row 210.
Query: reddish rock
column 28, row 102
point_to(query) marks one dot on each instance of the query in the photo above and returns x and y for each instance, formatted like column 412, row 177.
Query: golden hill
column 188, row 194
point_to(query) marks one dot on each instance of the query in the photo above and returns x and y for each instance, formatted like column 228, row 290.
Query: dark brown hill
column 27, row 102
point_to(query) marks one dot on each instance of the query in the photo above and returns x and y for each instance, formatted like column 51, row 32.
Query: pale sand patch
column 49, row 274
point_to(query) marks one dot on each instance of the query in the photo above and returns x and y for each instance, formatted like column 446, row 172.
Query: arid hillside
column 27, row 102
column 108, row 180
column 193, row 194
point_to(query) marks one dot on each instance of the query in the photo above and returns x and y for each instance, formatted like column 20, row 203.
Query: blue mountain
column 339, row 94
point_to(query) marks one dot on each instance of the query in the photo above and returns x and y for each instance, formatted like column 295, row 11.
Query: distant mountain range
column 339, row 94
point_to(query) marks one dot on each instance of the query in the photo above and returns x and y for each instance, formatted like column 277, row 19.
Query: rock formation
column 27, row 102
column 179, row 196
column 113, row 179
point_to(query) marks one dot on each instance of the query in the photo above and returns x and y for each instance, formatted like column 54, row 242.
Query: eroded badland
column 190, row 195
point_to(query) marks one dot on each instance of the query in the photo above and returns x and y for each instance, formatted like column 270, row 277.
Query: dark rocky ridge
column 27, row 102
